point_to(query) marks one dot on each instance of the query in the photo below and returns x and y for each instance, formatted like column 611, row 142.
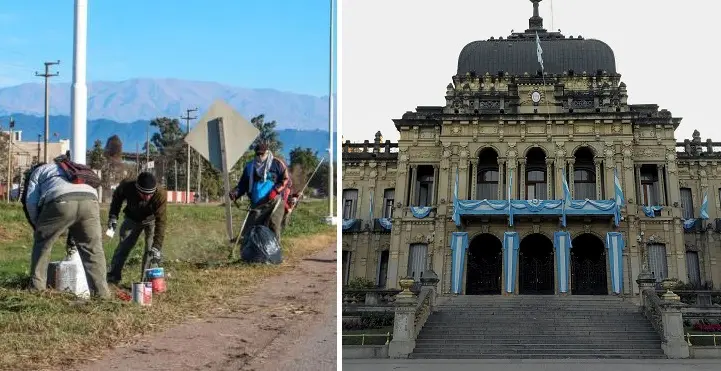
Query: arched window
column 584, row 184
column 487, row 184
column 584, row 175
column 487, row 175
column 536, row 186
column 536, row 181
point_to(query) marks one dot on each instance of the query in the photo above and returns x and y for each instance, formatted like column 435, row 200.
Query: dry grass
column 52, row 330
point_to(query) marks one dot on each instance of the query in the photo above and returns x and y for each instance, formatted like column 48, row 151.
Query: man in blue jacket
column 265, row 180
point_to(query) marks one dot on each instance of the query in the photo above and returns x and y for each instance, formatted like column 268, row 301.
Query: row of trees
column 169, row 153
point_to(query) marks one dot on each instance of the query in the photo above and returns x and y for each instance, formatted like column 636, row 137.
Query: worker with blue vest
column 265, row 180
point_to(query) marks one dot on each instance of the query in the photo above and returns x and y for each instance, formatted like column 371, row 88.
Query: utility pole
column 331, row 180
column 200, row 174
column 10, row 161
column 137, row 158
column 147, row 146
column 47, row 75
column 187, row 119
column 40, row 139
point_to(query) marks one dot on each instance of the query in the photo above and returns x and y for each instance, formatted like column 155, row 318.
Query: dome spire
column 535, row 23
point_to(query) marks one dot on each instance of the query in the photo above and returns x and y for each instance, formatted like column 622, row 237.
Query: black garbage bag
column 261, row 246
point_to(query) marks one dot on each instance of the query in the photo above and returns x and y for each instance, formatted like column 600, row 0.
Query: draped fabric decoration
column 615, row 245
column 704, row 206
column 688, row 224
column 370, row 203
column 533, row 207
column 459, row 245
column 420, row 212
column 385, row 223
column 566, row 197
column 562, row 243
column 510, row 189
column 349, row 223
column 456, row 216
column 511, row 243
column 650, row 211
column 618, row 195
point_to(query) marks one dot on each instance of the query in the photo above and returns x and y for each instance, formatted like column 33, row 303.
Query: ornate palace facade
column 531, row 181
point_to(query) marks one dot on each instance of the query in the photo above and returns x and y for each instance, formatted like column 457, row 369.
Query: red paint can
column 156, row 276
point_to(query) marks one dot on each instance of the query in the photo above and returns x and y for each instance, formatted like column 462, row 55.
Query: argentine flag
column 618, row 191
column 371, row 205
column 566, row 196
column 704, row 206
column 539, row 51
column 455, row 188
column 510, row 188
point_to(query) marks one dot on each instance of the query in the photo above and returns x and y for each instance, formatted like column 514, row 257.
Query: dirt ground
column 288, row 322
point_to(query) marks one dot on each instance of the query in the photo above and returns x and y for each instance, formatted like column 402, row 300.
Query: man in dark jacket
column 265, row 180
column 145, row 212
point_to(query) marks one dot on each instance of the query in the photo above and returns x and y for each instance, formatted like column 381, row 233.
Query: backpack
column 24, row 192
column 78, row 173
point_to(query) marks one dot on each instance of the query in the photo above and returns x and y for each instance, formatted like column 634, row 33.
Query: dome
column 516, row 55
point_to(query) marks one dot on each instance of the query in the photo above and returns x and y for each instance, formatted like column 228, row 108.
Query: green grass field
column 54, row 330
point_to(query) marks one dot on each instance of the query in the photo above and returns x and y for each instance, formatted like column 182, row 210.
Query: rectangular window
column 693, row 268
column 350, row 203
column 657, row 261
column 417, row 260
column 346, row 267
column 649, row 186
column 687, row 203
column 388, row 201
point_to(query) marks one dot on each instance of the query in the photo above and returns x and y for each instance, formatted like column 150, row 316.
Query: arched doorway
column 535, row 264
column 588, row 266
column 485, row 266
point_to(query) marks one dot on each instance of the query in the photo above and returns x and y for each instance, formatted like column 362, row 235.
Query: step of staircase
column 537, row 327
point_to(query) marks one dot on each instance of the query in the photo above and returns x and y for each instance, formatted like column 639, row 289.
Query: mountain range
column 126, row 107
column 146, row 99
column 134, row 133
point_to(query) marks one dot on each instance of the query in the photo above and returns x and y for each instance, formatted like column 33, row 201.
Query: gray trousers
column 81, row 218
column 129, row 233
column 269, row 214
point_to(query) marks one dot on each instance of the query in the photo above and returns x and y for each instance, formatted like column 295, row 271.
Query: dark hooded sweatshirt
column 141, row 211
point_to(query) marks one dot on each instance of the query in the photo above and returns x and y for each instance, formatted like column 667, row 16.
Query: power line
column 187, row 119
column 47, row 75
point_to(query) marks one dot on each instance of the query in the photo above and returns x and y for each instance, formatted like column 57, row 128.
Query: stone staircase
column 555, row 327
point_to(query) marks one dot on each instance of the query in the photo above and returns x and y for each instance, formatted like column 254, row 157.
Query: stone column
column 550, row 179
column 571, row 162
column 474, row 179
column 501, row 177
column 661, row 189
column 404, row 322
column 639, row 189
column 414, row 177
column 645, row 282
column 522, row 178
column 558, row 184
column 599, row 179
column 674, row 346
column 434, row 195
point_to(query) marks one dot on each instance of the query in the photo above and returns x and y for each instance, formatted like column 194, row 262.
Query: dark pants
column 129, row 233
column 81, row 218
column 269, row 214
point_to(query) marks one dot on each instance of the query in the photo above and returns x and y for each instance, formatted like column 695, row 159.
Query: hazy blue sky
column 280, row 44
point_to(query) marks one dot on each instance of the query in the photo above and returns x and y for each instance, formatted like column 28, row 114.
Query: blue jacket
column 259, row 189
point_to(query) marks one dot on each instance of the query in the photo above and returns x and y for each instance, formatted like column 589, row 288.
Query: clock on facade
column 536, row 96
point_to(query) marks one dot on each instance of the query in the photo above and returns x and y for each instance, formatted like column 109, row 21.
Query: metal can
column 138, row 292
column 147, row 293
